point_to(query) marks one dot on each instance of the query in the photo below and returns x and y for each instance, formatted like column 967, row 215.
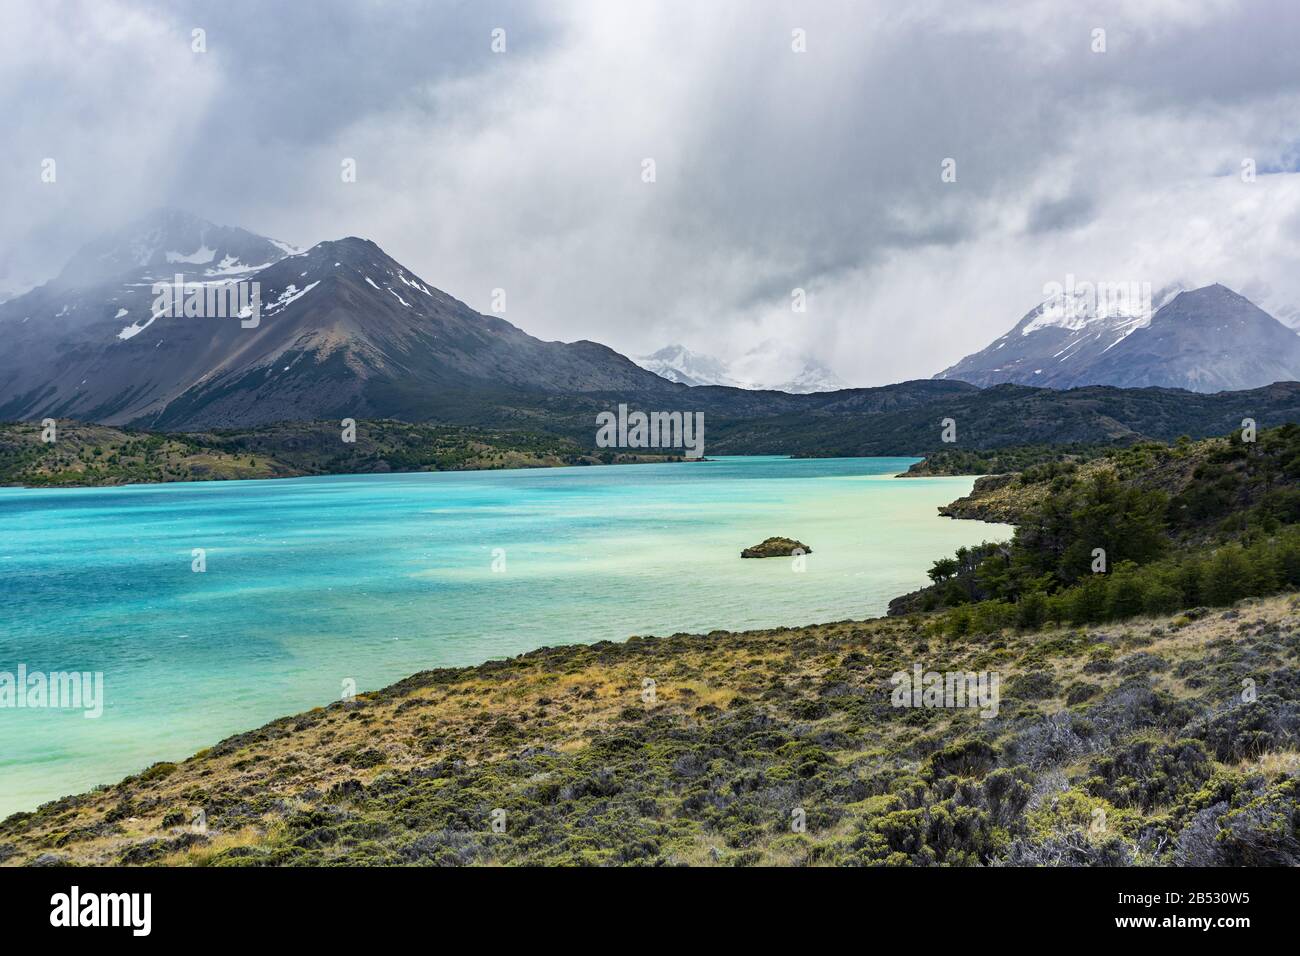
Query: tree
column 1126, row 597
column 1031, row 611
column 1088, row 601
column 942, row 570
column 1162, row 598
column 1226, row 576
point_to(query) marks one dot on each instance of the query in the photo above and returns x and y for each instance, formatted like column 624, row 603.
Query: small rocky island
column 776, row 548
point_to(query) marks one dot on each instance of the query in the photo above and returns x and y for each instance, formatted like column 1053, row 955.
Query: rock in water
column 776, row 548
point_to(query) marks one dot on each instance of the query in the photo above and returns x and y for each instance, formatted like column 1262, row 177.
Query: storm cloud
column 775, row 169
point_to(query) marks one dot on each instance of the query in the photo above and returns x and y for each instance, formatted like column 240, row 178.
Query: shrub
column 1145, row 773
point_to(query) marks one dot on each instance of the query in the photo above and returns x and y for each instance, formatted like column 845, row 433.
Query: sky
column 794, row 146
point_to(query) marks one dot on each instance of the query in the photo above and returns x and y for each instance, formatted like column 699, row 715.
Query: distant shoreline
column 86, row 455
column 333, row 474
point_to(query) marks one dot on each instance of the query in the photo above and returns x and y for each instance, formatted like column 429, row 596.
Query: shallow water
column 314, row 581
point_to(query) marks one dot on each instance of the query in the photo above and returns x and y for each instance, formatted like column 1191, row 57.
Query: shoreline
column 81, row 455
column 696, row 748
column 457, row 471
column 343, row 474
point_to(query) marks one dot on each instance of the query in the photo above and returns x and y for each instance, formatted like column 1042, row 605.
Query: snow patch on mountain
column 290, row 295
column 135, row 328
column 200, row 256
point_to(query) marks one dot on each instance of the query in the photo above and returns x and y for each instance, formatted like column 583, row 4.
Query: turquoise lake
column 314, row 581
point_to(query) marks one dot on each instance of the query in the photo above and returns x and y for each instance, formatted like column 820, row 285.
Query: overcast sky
column 774, row 169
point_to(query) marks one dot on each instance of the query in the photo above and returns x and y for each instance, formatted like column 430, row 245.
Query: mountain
column 1205, row 340
column 679, row 364
column 67, row 350
column 813, row 377
column 764, row 367
column 345, row 331
column 358, row 335
column 170, row 241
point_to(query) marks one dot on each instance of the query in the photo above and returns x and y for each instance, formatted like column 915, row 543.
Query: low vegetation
column 1032, row 462
column 100, row 455
column 1127, row 744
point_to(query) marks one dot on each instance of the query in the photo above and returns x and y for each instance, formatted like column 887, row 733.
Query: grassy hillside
column 1208, row 478
column 99, row 455
column 1112, row 745
column 1008, row 460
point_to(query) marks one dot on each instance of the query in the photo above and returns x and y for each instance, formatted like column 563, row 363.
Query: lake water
column 313, row 581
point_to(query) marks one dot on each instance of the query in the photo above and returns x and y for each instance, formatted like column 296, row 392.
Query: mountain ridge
column 1206, row 340
column 344, row 319
column 345, row 331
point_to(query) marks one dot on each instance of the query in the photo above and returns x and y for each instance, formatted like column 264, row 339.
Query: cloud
column 106, row 92
column 774, row 169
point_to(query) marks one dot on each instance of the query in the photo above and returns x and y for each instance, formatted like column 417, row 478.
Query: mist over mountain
column 169, row 241
column 679, row 364
column 767, row 366
column 1206, row 340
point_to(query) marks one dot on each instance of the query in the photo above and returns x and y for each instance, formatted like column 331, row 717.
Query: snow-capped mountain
column 65, row 351
column 171, row 241
column 679, row 364
column 1209, row 339
column 344, row 330
column 765, row 367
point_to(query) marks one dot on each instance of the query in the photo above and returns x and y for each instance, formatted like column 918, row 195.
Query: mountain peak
column 1205, row 339
column 1214, row 291
column 169, row 240
column 351, row 243
column 355, row 260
